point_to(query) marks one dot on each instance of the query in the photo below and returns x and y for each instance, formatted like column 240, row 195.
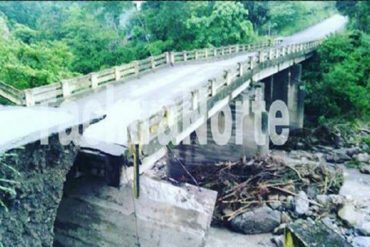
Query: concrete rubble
column 92, row 214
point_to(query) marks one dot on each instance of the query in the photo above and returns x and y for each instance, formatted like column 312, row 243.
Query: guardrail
column 145, row 131
column 12, row 94
column 69, row 87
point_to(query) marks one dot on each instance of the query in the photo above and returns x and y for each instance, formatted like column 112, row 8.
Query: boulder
column 352, row 151
column 364, row 227
column 323, row 199
column 363, row 157
column 365, row 169
column 258, row 220
column 361, row 241
column 338, row 156
column 350, row 215
column 301, row 203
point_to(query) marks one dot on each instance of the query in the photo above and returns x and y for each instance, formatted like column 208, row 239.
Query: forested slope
column 43, row 42
column 338, row 80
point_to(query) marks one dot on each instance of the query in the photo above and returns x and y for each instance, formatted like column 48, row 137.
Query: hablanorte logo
column 225, row 122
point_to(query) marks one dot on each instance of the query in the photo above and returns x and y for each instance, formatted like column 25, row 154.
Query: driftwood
column 252, row 183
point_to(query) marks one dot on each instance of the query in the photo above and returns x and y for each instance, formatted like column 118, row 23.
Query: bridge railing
column 146, row 130
column 12, row 94
column 70, row 87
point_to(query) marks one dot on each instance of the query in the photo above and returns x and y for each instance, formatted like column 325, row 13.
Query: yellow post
column 136, row 181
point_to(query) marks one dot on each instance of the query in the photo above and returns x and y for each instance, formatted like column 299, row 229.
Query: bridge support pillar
column 249, row 136
column 254, row 125
column 295, row 97
column 287, row 86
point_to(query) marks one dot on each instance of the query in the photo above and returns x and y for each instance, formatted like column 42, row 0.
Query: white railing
column 70, row 87
column 172, row 114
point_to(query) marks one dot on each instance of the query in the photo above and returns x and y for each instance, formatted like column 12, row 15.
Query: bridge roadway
column 123, row 103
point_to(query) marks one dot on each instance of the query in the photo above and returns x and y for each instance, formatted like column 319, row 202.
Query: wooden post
column 206, row 53
column 66, row 89
column 93, row 80
column 136, row 181
column 214, row 52
column 196, row 55
column 117, row 74
column 29, row 97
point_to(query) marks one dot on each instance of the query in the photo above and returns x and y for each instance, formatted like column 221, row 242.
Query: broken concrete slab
column 221, row 237
column 93, row 214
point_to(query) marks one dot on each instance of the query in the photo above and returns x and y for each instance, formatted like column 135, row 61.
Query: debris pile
column 269, row 180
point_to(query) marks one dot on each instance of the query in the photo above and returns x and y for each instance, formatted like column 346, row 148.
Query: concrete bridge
column 119, row 115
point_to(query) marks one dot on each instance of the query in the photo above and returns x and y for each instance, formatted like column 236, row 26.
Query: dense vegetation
column 42, row 42
column 338, row 77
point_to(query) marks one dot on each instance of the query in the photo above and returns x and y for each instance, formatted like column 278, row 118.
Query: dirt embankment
column 32, row 211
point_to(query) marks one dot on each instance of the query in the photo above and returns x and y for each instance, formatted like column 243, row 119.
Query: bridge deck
column 126, row 102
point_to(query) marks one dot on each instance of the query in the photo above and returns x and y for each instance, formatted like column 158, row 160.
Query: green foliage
column 358, row 11
column 339, row 84
column 227, row 23
column 8, row 180
column 36, row 64
column 43, row 42
column 287, row 17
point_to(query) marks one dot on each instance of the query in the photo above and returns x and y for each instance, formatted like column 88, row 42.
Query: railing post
column 185, row 56
column 283, row 51
column 260, row 56
column 152, row 62
column 213, row 87
column 194, row 99
column 196, row 55
column 29, row 97
column 214, row 52
column 94, row 80
column 170, row 115
column 65, row 88
column 168, row 61
column 117, row 74
column 236, row 48
column 240, row 69
column 206, row 53
column 250, row 62
column 136, row 68
column 227, row 77
column 172, row 56
column 271, row 54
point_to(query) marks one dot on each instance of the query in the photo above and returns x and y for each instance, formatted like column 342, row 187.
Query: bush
column 338, row 84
